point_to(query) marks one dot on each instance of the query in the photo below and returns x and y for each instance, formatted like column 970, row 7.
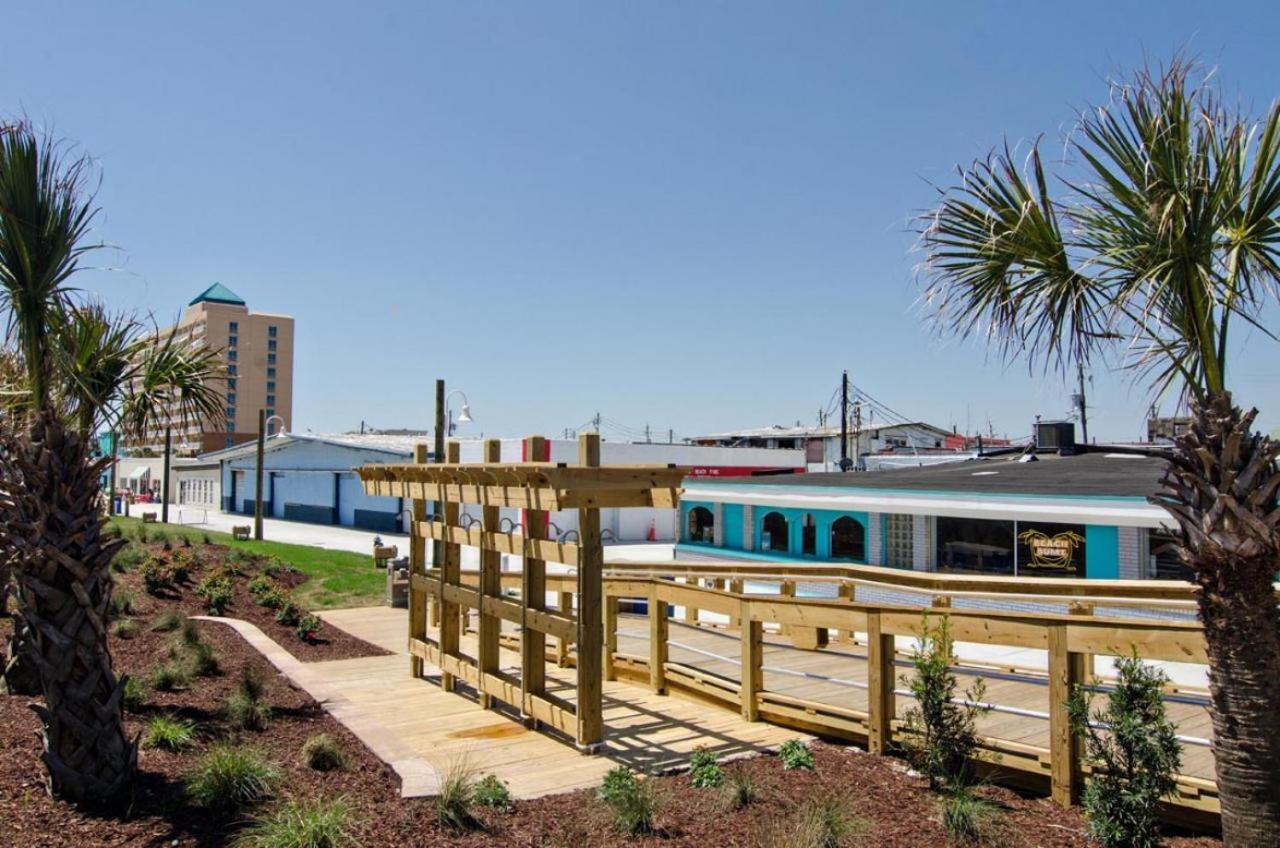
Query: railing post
column 881, row 703
column 658, row 631
column 1064, row 751
column 691, row 612
column 610, row 636
column 736, row 587
column 419, row 601
column 1085, row 661
column 450, row 575
column 845, row 593
column 752, row 676
column 489, row 627
column 565, row 605
column 590, row 707
column 533, row 590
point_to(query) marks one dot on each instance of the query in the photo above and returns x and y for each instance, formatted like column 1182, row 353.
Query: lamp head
column 464, row 417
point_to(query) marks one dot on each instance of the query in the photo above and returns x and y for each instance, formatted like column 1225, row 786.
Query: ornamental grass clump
column 167, row 621
column 169, row 676
column 316, row 823
column 738, row 790
column 631, row 800
column 171, row 734
column 457, row 794
column 245, row 709
column 127, row 559
column 229, row 777
column 125, row 628
column 1136, row 753
column 705, row 771
column 135, row 694
column 965, row 815
column 322, row 752
column 941, row 734
column 795, row 754
column 821, row 822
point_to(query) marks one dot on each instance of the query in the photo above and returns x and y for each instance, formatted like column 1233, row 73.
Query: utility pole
column 647, row 440
column 257, row 497
column 857, row 435
column 164, row 497
column 1084, row 418
column 596, row 421
column 671, row 436
column 844, row 421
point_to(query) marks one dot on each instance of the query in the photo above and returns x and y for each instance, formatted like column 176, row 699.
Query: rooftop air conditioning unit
column 1057, row 436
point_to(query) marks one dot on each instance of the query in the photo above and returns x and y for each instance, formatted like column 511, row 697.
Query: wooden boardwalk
column 642, row 730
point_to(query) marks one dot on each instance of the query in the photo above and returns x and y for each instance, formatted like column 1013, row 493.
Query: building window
column 899, row 541
column 231, row 412
column 773, row 533
column 271, row 372
column 271, row 331
column 271, row 345
column 231, row 340
column 848, row 541
column 702, row 525
column 809, row 536
column 231, row 383
column 234, row 326
column 1163, row 562
column 231, row 398
column 271, row 385
column 231, row 355
column 231, row 369
column 230, row 441
column 271, row 399
column 271, row 358
column 270, row 412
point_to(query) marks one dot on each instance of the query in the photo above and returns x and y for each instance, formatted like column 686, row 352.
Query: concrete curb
column 418, row 778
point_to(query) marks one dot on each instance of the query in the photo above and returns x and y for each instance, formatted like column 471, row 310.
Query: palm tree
column 80, row 368
column 1156, row 239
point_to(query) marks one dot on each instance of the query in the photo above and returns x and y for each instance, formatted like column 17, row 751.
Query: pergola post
column 533, row 643
column 488, row 627
column 450, row 575
column 418, row 599
column 590, row 610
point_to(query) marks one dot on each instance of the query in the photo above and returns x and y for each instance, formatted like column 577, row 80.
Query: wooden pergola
column 537, row 488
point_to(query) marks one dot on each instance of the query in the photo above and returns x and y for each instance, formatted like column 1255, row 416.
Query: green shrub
column 457, row 794
column 288, row 614
column 167, row 621
column 127, row 558
column 120, row 605
column 125, row 628
column 217, row 593
column 795, row 754
column 632, row 801
column 491, row 792
column 230, row 776
column 941, row 734
column 155, row 576
column 244, row 709
column 274, row 598
column 308, row 626
column 704, row 769
column 172, row 734
column 179, row 569
column 187, row 634
column 964, row 814
column 320, row 823
column 160, row 535
column 1135, row 761
column 322, row 752
column 135, row 694
column 738, row 789
column 205, row 538
column 259, row 586
column 168, row 677
column 274, row 567
column 142, row 533
column 113, row 531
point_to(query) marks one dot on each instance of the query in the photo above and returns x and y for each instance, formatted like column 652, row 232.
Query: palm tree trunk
column 64, row 586
column 1221, row 490
column 20, row 674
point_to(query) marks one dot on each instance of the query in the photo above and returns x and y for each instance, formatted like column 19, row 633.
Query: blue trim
column 731, row 515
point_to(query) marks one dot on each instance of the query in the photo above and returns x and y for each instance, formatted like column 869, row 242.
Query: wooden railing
column 1070, row 640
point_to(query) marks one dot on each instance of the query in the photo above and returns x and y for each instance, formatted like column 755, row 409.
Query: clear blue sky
column 687, row 215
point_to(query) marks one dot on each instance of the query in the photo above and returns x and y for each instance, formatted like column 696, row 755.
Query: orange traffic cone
column 653, row 530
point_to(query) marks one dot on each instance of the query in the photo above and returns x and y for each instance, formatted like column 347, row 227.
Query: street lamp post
column 464, row 417
column 263, row 421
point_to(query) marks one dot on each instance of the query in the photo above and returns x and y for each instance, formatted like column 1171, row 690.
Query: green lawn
column 336, row 578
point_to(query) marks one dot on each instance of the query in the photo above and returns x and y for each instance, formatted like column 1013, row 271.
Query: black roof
column 1089, row 474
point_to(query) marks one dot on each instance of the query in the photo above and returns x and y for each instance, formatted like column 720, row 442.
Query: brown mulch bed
column 890, row 806
column 331, row 643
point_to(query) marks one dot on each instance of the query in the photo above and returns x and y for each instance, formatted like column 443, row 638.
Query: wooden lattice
column 537, row 488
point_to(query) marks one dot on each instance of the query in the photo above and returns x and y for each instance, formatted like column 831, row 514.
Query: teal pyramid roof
column 218, row 293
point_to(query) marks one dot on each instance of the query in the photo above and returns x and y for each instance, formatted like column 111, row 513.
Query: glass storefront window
column 1163, row 562
column 966, row 544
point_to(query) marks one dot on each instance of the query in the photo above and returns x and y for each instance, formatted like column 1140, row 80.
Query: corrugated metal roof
column 401, row 446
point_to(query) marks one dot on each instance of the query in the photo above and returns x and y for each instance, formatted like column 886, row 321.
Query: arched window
column 809, row 536
column 774, row 535
column 848, row 540
column 702, row 525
